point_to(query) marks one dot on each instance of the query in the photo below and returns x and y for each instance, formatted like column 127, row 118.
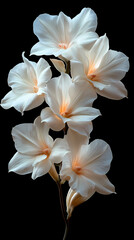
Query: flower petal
column 85, row 21
column 83, row 128
column 98, row 51
column 58, row 64
column 96, row 157
column 25, row 138
column 41, row 169
column 81, row 184
column 75, row 140
column 58, row 151
column 21, row 164
column 52, row 119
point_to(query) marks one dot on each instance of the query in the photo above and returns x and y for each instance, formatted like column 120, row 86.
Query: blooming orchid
column 28, row 82
column 69, row 103
column 58, row 35
column 86, row 68
column 102, row 68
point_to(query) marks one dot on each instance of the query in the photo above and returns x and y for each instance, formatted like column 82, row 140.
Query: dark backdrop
column 31, row 208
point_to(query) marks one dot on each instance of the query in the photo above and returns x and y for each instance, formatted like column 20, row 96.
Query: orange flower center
column 64, row 111
column 46, row 151
column 91, row 71
column 76, row 167
column 63, row 45
column 35, row 88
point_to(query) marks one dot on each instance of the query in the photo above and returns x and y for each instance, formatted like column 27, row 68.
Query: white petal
column 77, row 70
column 42, row 130
column 52, row 119
column 75, row 140
column 98, row 51
column 85, row 21
column 83, row 128
column 41, row 169
column 97, row 157
column 21, row 164
column 57, row 91
column 114, row 66
column 58, row 151
column 85, row 114
column 116, row 90
column 43, row 72
column 81, row 95
column 102, row 184
column 81, row 184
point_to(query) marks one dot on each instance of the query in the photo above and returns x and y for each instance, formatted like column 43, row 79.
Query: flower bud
column 74, row 199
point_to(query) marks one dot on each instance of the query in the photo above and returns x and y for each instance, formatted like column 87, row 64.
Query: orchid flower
column 69, row 103
column 59, row 34
column 102, row 68
column 36, row 150
column 28, row 82
column 86, row 164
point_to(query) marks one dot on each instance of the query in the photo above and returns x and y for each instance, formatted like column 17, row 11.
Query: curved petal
column 43, row 136
column 58, row 151
column 21, row 164
column 41, row 169
column 25, row 138
column 75, row 141
column 97, row 157
column 85, row 21
column 81, row 184
column 83, row 128
column 115, row 90
column 98, row 51
column 52, row 119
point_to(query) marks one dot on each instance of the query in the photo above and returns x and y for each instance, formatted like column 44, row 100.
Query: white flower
column 28, row 82
column 69, row 103
column 102, row 67
column 74, row 199
column 86, row 165
column 59, row 34
column 36, row 150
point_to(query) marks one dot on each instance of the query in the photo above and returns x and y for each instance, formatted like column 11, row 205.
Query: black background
column 31, row 208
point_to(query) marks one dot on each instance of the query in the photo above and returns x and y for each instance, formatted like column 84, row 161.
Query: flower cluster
column 87, row 67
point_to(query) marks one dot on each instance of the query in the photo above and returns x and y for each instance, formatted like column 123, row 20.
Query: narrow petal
column 43, row 72
column 53, row 121
column 59, row 65
column 98, row 51
column 21, row 164
column 43, row 136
